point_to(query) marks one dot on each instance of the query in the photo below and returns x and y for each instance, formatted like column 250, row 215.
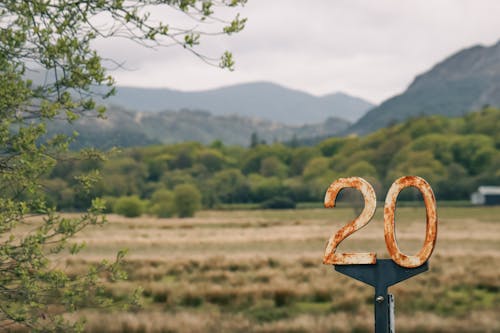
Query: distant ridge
column 264, row 100
column 463, row 82
column 125, row 128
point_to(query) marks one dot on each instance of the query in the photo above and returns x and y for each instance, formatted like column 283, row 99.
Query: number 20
column 364, row 218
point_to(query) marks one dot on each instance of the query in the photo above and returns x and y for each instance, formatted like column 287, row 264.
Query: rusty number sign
column 383, row 273
column 364, row 267
column 409, row 261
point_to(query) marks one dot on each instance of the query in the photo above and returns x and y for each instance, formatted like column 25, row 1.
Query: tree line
column 455, row 155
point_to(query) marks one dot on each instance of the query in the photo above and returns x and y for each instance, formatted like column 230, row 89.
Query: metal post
column 384, row 313
column 381, row 275
column 381, row 310
column 392, row 323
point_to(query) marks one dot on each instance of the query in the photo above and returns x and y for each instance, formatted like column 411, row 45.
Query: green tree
column 300, row 157
column 474, row 152
column 457, row 185
column 272, row 167
column 361, row 169
column 332, row 146
column 439, row 144
column 125, row 176
column 420, row 163
column 56, row 38
column 266, row 188
column 212, row 159
column 254, row 140
column 131, row 206
column 420, row 126
column 162, row 203
column 230, row 186
column 59, row 194
column 158, row 165
column 187, row 200
column 251, row 162
column 317, row 167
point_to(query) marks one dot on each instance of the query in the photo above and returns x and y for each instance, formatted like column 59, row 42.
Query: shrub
column 187, row 200
column 162, row 203
column 130, row 206
column 109, row 204
column 278, row 203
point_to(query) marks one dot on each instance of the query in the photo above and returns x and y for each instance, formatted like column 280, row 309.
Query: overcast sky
column 370, row 49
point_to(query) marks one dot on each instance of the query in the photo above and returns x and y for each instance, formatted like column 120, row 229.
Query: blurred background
column 214, row 180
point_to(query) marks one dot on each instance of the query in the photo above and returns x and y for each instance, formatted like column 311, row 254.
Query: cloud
column 372, row 49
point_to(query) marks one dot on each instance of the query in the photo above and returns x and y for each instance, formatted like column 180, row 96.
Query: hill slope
column 125, row 128
column 256, row 100
column 464, row 82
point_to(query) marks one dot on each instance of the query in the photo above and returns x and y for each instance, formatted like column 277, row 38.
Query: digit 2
column 363, row 219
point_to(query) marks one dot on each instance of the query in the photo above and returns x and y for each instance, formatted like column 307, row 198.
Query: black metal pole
column 381, row 302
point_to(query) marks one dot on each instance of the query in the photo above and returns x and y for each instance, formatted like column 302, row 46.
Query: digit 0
column 431, row 225
column 363, row 219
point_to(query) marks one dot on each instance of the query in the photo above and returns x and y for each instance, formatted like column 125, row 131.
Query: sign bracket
column 381, row 275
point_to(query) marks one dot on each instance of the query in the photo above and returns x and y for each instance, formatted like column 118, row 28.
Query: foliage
column 264, row 188
column 130, row 206
column 187, row 200
column 457, row 156
column 162, row 203
column 55, row 39
column 228, row 186
column 278, row 203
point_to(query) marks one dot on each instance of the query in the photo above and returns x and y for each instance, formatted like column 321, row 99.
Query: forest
column 455, row 155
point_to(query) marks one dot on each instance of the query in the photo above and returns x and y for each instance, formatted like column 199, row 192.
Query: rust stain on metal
column 431, row 222
column 368, row 193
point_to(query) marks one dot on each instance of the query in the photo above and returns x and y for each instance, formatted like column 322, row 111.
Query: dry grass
column 261, row 271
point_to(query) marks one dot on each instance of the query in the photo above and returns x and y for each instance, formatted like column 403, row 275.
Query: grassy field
column 261, row 271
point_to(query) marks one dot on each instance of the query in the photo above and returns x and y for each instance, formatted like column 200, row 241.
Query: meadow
column 262, row 271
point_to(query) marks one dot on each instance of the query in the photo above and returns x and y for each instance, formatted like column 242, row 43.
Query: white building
column 486, row 195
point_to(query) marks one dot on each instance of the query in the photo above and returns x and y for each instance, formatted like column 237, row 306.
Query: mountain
column 464, row 82
column 262, row 100
column 124, row 128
